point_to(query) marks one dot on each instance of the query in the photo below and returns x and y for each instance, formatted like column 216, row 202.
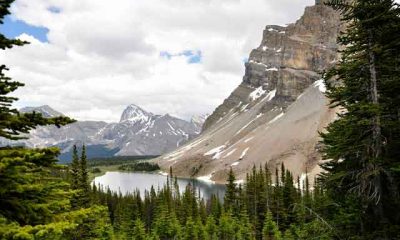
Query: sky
column 89, row 59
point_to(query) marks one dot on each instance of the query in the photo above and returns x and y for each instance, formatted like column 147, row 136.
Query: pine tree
column 211, row 230
column 231, row 191
column 139, row 231
column 75, row 168
column 270, row 229
column 364, row 142
column 84, row 185
column 34, row 199
column 227, row 226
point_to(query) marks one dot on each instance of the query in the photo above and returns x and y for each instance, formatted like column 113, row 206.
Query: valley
column 306, row 146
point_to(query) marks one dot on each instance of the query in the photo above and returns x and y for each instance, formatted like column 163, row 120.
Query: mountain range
column 275, row 115
column 138, row 132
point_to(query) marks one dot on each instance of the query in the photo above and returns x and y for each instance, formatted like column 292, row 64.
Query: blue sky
column 13, row 28
column 192, row 56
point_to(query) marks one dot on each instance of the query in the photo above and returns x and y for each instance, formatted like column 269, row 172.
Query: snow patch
column 244, row 107
column 230, row 153
column 173, row 129
column 206, row 179
column 300, row 96
column 302, row 179
column 320, row 85
column 271, row 95
column 273, row 69
column 256, row 93
column 163, row 173
column 234, row 164
column 239, row 181
column 248, row 140
column 276, row 118
column 244, row 153
column 215, row 151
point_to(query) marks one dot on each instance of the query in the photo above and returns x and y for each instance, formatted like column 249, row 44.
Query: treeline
column 356, row 197
column 265, row 207
column 117, row 160
column 140, row 167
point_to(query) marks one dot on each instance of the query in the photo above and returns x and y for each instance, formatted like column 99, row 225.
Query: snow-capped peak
column 134, row 113
column 199, row 119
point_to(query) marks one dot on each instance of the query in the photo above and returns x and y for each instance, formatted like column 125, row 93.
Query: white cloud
column 102, row 56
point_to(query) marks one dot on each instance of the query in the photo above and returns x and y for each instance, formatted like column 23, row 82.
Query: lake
column 127, row 182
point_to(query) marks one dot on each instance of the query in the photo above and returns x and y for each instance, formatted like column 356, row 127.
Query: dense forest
column 356, row 197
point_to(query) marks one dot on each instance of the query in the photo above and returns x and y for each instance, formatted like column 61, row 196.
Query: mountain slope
column 275, row 114
column 138, row 133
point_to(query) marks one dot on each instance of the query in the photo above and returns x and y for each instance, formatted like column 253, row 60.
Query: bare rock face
column 275, row 114
column 289, row 59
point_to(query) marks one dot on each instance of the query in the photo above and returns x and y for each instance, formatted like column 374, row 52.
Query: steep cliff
column 275, row 114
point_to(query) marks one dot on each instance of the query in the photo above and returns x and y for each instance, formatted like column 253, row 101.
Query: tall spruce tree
column 231, row 192
column 84, row 185
column 74, row 168
column 364, row 142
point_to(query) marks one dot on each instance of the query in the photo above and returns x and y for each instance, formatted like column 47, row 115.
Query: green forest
column 356, row 197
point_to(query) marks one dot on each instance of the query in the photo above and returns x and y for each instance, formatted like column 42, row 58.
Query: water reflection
column 127, row 182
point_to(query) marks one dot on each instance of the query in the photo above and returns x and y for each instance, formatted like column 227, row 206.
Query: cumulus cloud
column 100, row 57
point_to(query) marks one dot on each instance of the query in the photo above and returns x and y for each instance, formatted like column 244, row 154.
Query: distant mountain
column 138, row 133
column 143, row 133
column 45, row 110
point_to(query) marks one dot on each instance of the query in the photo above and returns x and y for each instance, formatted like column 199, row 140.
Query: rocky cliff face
column 275, row 114
column 138, row 133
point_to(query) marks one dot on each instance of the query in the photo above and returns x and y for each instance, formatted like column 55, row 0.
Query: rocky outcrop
column 275, row 114
column 288, row 59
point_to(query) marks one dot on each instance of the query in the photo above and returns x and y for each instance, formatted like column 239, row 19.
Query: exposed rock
column 275, row 114
column 138, row 133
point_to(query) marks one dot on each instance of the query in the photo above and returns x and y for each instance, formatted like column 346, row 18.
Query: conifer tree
column 84, row 185
column 75, row 169
column 364, row 142
column 211, row 230
column 270, row 229
column 227, row 226
column 139, row 231
column 231, row 191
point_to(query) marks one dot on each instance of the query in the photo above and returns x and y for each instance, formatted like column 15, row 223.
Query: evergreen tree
column 270, row 229
column 166, row 225
column 139, row 231
column 227, row 226
column 364, row 142
column 231, row 191
column 192, row 230
column 211, row 230
column 84, row 185
column 75, row 168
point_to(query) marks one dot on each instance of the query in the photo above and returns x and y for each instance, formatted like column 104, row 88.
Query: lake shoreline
column 128, row 182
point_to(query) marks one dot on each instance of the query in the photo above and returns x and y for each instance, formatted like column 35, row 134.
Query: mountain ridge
column 137, row 133
column 275, row 114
